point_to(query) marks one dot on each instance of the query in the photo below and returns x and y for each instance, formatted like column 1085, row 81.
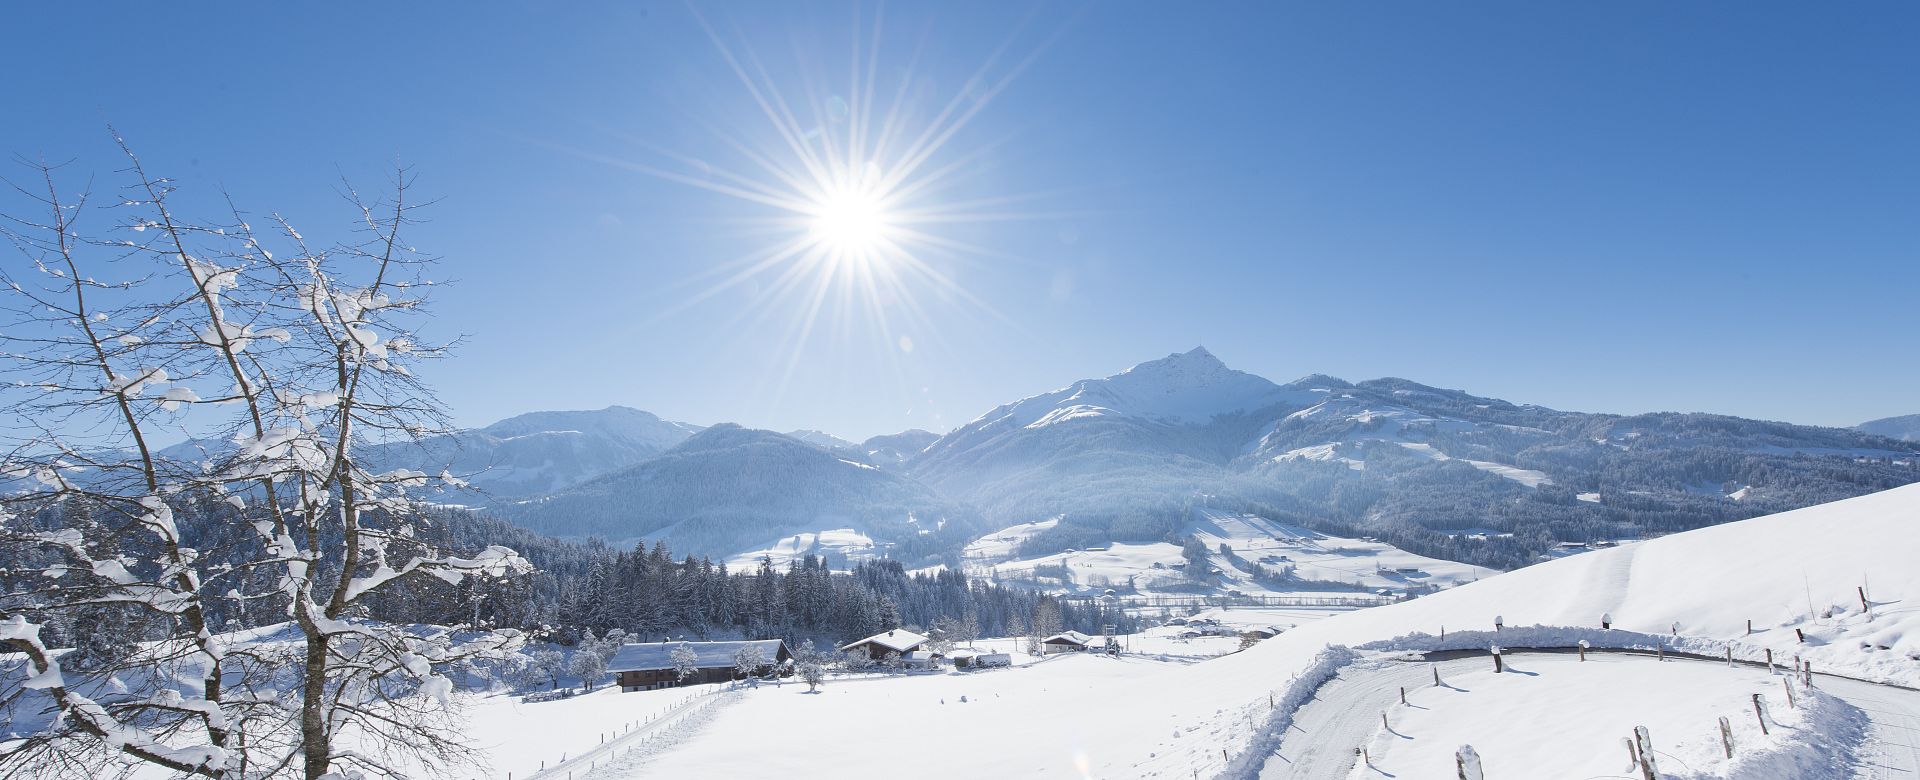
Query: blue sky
column 1608, row 207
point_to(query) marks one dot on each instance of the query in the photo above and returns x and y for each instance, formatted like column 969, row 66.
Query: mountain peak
column 1198, row 356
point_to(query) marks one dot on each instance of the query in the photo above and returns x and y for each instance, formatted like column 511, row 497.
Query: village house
column 897, row 643
column 1065, row 642
column 649, row 665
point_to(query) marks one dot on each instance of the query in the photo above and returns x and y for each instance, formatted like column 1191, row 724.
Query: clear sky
column 1626, row 207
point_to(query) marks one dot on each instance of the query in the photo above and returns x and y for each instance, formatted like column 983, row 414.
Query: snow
column 1320, row 452
column 1528, row 477
column 499, row 725
column 1591, row 498
column 1079, row 714
column 1184, row 388
column 845, row 541
column 1000, row 544
column 1353, row 565
column 1211, row 710
column 1590, row 708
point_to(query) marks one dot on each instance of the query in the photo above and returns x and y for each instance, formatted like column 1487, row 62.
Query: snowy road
column 1893, row 740
column 1346, row 712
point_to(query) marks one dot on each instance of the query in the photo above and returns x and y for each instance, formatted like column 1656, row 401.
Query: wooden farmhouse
column 649, row 665
column 897, row 643
column 1065, row 642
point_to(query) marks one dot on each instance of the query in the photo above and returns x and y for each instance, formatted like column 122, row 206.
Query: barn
column 644, row 666
column 890, row 644
column 1066, row 642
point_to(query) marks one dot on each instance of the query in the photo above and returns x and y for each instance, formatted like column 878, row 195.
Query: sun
column 866, row 192
column 851, row 222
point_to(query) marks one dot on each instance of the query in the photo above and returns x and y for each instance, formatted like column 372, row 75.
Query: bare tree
column 309, row 355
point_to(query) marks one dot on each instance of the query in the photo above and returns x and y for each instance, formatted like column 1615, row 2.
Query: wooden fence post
column 1760, row 712
column 1497, row 665
column 1649, row 770
column 1583, row 651
column 1403, row 694
column 1729, row 655
column 1726, row 736
column 1436, row 675
column 1788, row 684
column 1863, row 598
column 1633, row 754
column 1769, row 660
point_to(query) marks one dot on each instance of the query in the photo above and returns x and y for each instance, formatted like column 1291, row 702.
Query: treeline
column 650, row 595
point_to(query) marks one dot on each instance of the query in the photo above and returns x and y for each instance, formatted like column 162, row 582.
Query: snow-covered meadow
column 1320, row 562
column 1195, row 715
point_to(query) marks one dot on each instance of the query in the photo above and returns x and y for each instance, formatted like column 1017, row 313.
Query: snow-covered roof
column 707, row 655
column 1070, row 637
column 897, row 640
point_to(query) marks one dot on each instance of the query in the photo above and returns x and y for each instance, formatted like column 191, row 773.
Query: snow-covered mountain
column 1149, row 434
column 541, row 452
column 1127, row 458
column 1905, row 427
column 1124, row 457
column 729, row 489
column 894, row 449
column 823, row 440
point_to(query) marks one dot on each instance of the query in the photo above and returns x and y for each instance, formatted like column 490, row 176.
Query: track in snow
column 1345, row 712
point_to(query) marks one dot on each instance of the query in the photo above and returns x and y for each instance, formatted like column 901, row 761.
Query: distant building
column 975, row 659
column 649, row 665
column 897, row 643
column 1066, row 642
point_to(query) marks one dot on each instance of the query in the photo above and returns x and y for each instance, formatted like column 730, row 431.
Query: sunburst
column 855, row 189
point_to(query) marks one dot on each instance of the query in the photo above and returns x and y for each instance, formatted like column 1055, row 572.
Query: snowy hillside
column 1243, row 555
column 894, row 449
column 1904, row 427
column 1134, row 717
column 540, row 452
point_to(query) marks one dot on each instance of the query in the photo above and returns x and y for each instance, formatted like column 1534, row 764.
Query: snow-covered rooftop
column 1074, row 637
column 897, row 640
column 708, row 655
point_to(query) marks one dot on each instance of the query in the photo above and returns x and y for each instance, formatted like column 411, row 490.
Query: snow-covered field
column 1093, row 716
column 1182, row 706
column 847, row 542
column 499, row 725
column 1320, row 562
